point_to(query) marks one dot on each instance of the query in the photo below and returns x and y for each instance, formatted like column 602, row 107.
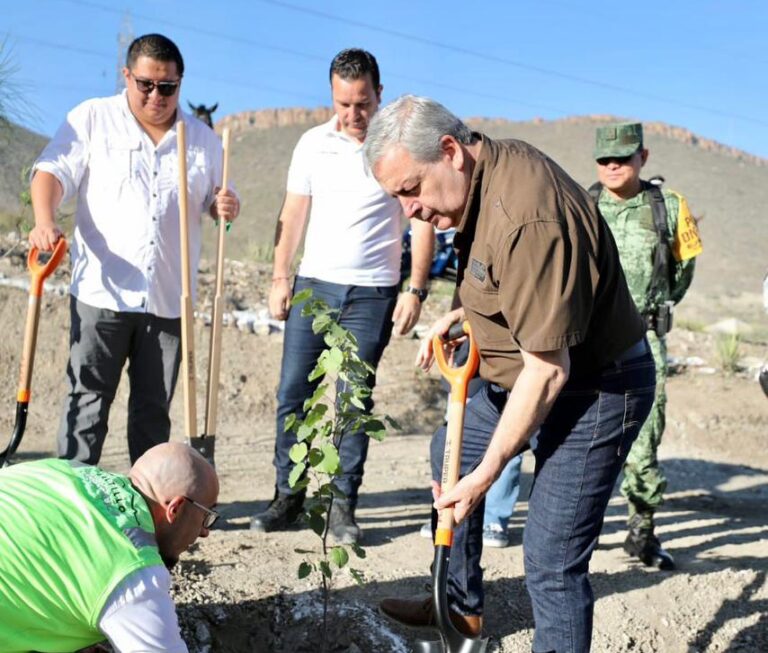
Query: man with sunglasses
column 657, row 240
column 117, row 157
column 85, row 554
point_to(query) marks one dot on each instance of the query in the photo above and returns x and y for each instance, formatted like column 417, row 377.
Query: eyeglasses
column 211, row 516
column 146, row 86
column 618, row 160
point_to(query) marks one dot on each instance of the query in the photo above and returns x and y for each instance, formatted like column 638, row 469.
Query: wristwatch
column 421, row 293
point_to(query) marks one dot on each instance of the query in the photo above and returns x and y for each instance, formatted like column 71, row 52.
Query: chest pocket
column 489, row 324
column 197, row 168
column 111, row 165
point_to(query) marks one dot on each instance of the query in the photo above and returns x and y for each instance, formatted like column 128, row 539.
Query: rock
column 729, row 326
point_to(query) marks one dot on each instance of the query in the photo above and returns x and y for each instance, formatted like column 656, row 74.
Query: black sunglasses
column 211, row 516
column 619, row 160
column 146, row 86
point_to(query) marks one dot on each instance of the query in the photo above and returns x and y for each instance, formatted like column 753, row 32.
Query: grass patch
column 729, row 352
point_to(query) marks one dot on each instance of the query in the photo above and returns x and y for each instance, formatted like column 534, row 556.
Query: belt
column 637, row 350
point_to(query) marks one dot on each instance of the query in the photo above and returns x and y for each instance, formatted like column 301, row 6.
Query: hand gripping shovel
column 38, row 273
column 206, row 442
column 451, row 640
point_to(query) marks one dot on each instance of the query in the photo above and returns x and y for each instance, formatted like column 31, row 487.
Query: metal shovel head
column 204, row 446
column 451, row 640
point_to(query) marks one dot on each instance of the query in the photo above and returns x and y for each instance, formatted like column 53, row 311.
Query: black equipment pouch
column 661, row 320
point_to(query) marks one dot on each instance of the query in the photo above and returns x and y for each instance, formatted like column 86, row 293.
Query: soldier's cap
column 618, row 139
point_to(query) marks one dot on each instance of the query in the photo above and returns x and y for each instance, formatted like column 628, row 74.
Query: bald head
column 174, row 469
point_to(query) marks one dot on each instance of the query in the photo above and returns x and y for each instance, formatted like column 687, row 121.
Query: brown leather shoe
column 419, row 613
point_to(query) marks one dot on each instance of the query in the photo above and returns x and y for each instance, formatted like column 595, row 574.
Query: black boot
column 283, row 511
column 342, row 523
column 643, row 544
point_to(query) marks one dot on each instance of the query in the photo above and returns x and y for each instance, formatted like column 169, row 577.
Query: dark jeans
column 579, row 451
column 100, row 342
column 367, row 313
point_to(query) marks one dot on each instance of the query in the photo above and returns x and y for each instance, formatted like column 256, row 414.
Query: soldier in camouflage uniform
column 658, row 261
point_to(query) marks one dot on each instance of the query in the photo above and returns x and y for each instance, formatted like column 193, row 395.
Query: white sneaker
column 495, row 536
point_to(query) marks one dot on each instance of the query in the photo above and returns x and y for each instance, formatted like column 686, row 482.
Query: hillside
column 18, row 149
column 725, row 187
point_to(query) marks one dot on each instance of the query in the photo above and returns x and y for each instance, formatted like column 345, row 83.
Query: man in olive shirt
column 560, row 341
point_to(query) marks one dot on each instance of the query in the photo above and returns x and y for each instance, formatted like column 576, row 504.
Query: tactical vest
column 661, row 276
column 69, row 534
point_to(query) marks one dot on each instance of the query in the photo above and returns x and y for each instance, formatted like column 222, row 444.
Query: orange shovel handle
column 457, row 377
column 39, row 272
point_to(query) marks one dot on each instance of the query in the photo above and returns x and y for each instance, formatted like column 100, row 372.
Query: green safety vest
column 69, row 534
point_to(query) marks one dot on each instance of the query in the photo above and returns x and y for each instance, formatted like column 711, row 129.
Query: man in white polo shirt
column 351, row 261
column 117, row 156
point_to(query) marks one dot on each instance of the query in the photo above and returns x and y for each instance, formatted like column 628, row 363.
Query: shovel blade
column 205, row 446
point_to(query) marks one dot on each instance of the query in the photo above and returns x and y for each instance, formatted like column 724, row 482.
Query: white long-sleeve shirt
column 126, row 253
column 139, row 615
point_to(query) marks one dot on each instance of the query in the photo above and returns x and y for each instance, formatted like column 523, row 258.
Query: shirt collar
column 139, row 130
column 333, row 130
column 486, row 155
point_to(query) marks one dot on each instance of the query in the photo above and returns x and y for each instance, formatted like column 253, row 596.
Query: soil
column 239, row 591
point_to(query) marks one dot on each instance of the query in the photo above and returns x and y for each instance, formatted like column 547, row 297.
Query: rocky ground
column 239, row 591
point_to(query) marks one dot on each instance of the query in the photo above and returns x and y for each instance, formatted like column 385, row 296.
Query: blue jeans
column 501, row 498
column 367, row 313
column 579, row 451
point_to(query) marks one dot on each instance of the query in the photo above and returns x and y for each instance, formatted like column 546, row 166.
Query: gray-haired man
column 560, row 341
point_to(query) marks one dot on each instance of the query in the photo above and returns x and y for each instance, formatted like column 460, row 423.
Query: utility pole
column 124, row 39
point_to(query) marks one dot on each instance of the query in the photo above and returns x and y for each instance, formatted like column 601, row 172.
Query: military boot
column 342, row 524
column 283, row 510
column 643, row 544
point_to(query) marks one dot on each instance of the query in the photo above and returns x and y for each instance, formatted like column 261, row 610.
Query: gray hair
column 416, row 123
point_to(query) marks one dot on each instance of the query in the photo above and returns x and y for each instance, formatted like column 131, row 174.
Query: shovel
column 451, row 640
column 205, row 443
column 38, row 273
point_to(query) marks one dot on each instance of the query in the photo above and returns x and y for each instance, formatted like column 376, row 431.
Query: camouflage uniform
column 631, row 223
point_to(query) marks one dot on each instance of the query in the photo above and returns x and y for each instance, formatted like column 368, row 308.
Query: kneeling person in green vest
column 658, row 242
column 85, row 553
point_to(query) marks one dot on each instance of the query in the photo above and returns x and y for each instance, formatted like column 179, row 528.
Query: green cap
column 618, row 139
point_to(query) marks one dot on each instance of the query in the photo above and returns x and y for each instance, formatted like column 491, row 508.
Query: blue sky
column 700, row 65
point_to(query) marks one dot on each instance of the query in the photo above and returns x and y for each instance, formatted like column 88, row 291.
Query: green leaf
column 305, row 569
column 319, row 370
column 322, row 323
column 359, row 551
column 298, row 452
column 330, row 461
column 357, row 575
column 339, row 556
column 357, row 402
column 316, row 414
column 317, row 523
column 301, row 296
column 393, row 423
column 301, row 484
column 315, row 457
column 304, row 432
column 375, row 429
column 296, row 473
column 325, row 568
column 317, row 395
column 290, row 421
